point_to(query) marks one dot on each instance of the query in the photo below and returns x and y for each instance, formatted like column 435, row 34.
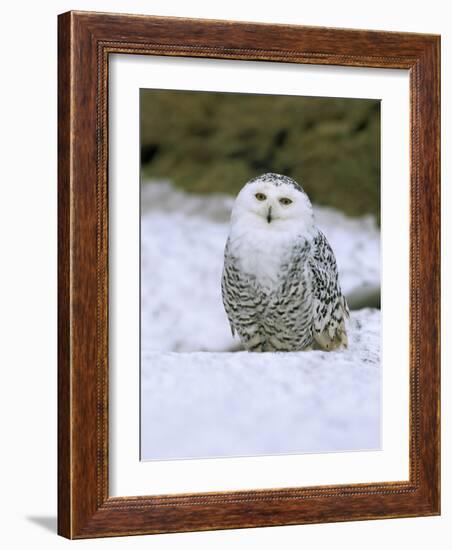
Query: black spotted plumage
column 329, row 305
column 304, row 311
column 277, row 180
column 280, row 284
column 268, row 321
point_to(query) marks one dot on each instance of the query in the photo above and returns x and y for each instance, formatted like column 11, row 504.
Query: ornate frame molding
column 85, row 42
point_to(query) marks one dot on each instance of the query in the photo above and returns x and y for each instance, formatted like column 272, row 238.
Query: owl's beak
column 269, row 214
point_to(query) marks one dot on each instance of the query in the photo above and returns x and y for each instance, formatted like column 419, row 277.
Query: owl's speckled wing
column 242, row 298
column 330, row 308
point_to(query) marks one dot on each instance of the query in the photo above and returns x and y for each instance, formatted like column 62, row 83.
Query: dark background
column 208, row 142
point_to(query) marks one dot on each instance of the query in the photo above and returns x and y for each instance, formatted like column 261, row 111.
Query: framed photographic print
column 248, row 275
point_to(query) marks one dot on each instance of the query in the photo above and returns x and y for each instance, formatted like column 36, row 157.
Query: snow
column 243, row 404
column 200, row 397
column 182, row 244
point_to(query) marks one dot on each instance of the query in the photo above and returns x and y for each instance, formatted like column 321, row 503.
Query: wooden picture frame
column 85, row 42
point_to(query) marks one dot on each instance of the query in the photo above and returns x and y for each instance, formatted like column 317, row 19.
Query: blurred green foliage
column 214, row 142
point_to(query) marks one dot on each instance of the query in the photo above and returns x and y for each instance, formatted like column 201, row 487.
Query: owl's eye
column 260, row 196
column 285, row 201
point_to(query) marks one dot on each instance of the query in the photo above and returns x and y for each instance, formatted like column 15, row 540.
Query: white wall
column 28, row 268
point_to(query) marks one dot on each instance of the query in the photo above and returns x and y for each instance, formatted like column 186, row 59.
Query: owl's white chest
column 262, row 254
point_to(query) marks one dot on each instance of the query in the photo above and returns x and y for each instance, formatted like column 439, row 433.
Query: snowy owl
column 280, row 283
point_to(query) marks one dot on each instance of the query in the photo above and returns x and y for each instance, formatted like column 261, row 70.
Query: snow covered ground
column 209, row 400
column 243, row 404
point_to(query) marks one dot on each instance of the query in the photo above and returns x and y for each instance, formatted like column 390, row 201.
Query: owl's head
column 274, row 201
